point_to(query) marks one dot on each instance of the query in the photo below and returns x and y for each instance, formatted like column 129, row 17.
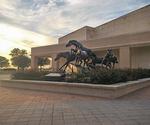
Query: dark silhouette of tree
column 43, row 61
column 16, row 52
column 19, row 58
column 21, row 61
column 4, row 62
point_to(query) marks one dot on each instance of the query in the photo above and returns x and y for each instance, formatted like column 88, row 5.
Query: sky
column 30, row 23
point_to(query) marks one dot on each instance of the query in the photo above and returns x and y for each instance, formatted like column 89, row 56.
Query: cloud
column 59, row 17
column 13, row 37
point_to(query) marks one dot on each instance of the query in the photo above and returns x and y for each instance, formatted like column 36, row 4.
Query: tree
column 21, row 61
column 16, row 52
column 43, row 61
column 20, row 58
column 4, row 62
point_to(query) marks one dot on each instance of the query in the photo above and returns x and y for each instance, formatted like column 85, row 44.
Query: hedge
column 95, row 76
column 108, row 76
column 29, row 75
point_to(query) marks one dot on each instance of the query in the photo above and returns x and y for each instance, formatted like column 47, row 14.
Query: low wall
column 105, row 91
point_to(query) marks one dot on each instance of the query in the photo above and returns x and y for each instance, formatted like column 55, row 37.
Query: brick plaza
column 26, row 107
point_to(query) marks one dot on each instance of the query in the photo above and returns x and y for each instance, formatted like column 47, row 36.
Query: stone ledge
column 105, row 91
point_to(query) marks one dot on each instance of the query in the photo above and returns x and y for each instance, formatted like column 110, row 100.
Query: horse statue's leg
column 86, row 62
column 107, row 66
column 64, row 65
column 61, row 67
column 80, row 62
column 76, row 60
column 110, row 66
column 70, row 67
column 113, row 65
column 103, row 63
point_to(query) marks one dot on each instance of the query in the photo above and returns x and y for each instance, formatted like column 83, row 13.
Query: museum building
column 128, row 36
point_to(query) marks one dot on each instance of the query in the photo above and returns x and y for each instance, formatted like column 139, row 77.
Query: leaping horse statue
column 109, row 60
column 82, row 55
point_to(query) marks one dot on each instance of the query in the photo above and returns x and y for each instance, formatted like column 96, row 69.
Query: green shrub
column 108, row 76
column 105, row 76
column 7, row 70
column 29, row 75
column 96, row 76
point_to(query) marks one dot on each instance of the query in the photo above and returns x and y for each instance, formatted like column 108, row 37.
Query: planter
column 105, row 91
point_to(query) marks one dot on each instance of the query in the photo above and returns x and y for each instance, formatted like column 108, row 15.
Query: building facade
column 128, row 36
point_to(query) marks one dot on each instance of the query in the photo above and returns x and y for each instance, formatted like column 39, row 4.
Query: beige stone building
column 128, row 36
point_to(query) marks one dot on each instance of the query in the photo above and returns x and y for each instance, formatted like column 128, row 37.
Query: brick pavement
column 24, row 107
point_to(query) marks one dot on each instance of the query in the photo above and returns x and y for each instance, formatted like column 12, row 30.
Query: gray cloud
column 58, row 17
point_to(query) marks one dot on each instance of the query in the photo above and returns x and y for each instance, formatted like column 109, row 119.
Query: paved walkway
column 24, row 107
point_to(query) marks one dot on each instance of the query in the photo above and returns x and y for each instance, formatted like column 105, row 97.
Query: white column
column 34, row 61
column 124, row 55
column 54, row 63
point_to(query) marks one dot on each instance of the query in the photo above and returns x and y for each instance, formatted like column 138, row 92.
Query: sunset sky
column 29, row 23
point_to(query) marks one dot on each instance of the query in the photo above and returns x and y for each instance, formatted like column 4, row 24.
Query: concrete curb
column 105, row 91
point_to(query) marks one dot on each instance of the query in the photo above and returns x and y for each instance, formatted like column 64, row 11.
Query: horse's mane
column 77, row 43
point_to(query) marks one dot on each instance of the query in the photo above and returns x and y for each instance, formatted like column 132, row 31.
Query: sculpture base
column 55, row 77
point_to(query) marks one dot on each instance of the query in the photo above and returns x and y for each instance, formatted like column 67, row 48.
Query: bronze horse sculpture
column 108, row 61
column 79, row 58
column 85, row 57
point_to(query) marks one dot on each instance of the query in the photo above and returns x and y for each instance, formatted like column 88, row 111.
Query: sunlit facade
column 128, row 36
